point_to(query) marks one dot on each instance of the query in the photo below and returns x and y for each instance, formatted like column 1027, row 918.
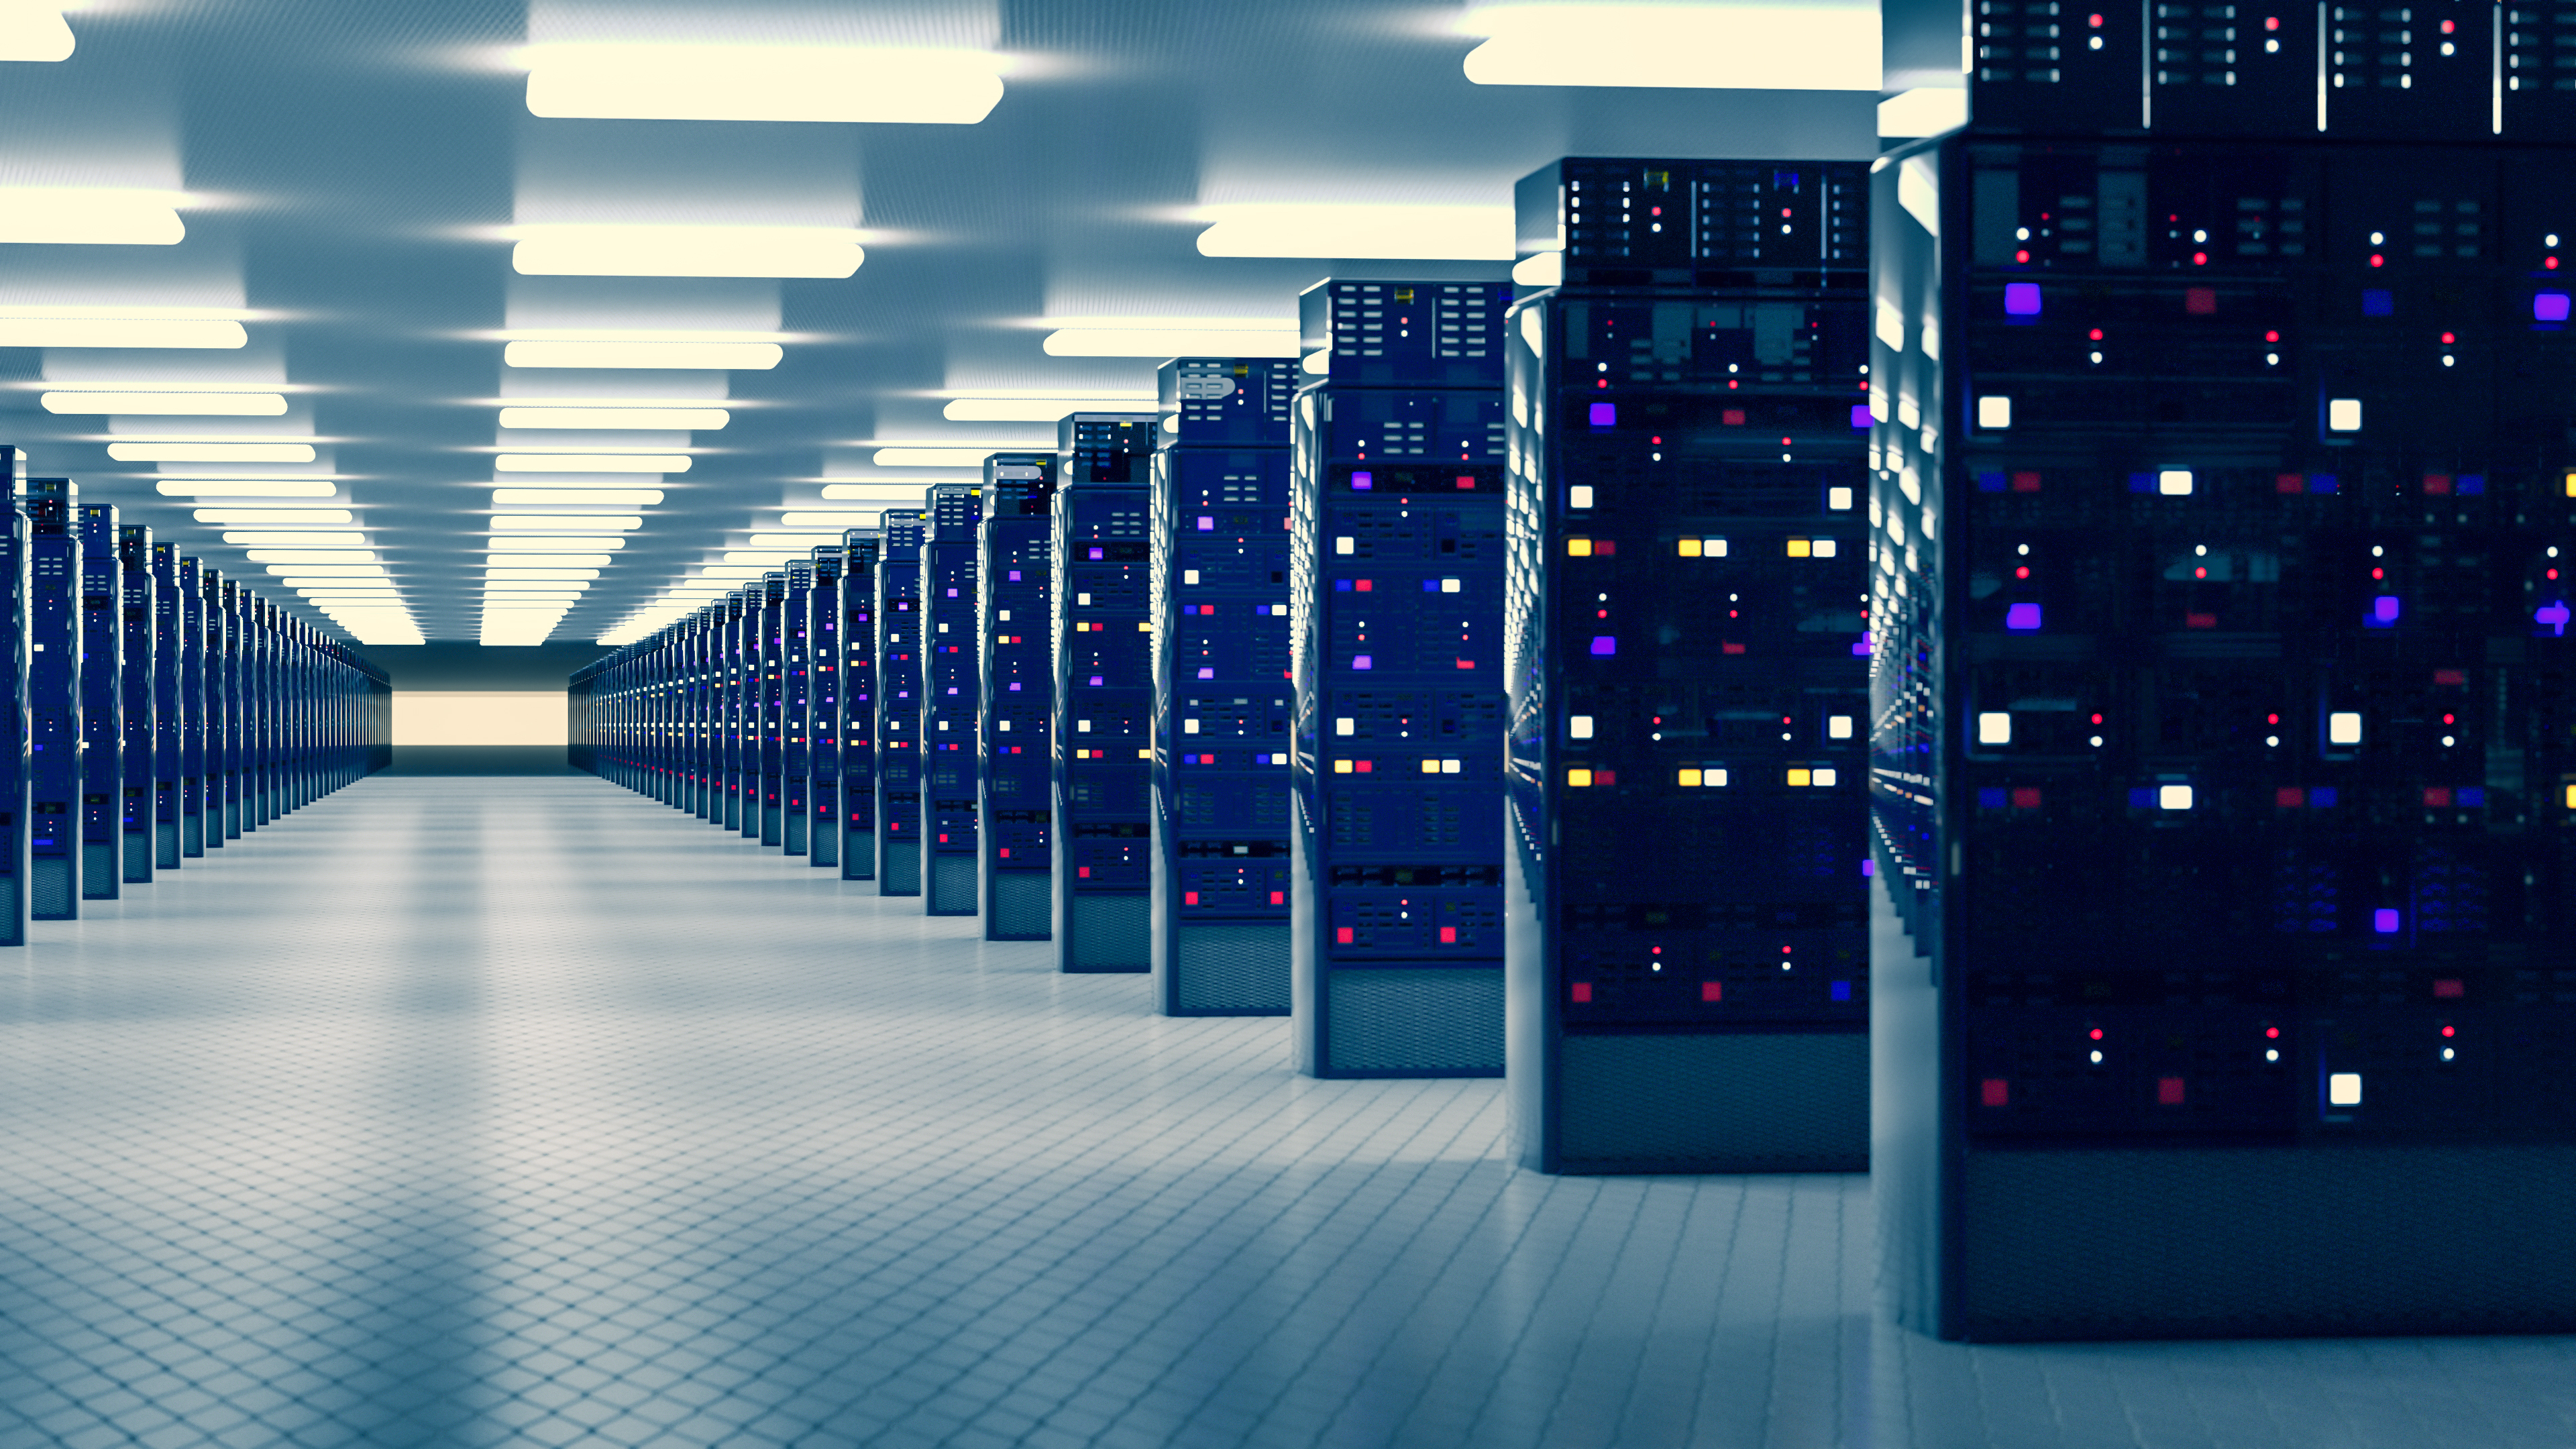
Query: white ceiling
column 353, row 179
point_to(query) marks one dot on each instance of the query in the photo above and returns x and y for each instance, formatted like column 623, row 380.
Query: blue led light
column 2022, row 618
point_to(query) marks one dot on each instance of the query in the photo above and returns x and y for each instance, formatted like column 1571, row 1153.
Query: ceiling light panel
column 683, row 419
column 1035, row 410
column 1811, row 45
column 610, row 353
column 33, row 30
column 275, row 515
column 1359, row 230
column 702, row 82
column 89, row 216
column 211, row 452
column 631, row 497
column 592, row 463
column 168, row 404
column 565, row 521
column 1177, row 339
column 246, row 488
column 620, row 250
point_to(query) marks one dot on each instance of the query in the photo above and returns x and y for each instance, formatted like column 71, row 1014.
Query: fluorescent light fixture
column 562, row 521
column 938, row 457
column 43, row 324
column 621, row 352
column 586, row 249
column 551, row 560
column 827, row 520
column 679, row 81
column 298, row 538
column 630, row 497
column 246, row 488
column 275, row 515
column 592, row 463
column 210, row 452
column 288, row 571
column 540, row 575
column 169, row 404
column 1172, row 337
column 707, row 419
column 1395, row 231
column 1036, row 410
column 892, row 495
column 310, row 555
column 33, row 30
column 89, row 215
column 1813, row 45
column 551, row 542
column 758, row 557
column 1923, row 111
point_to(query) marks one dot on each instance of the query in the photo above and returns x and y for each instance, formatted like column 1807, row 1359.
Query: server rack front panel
column 771, row 702
column 859, row 550
column 102, row 689
column 227, row 662
column 53, row 699
column 796, row 727
column 823, row 752
column 1018, row 680
column 2222, row 765
column 1396, row 575
column 14, row 735
column 949, row 698
column 139, row 814
column 1104, row 693
column 898, row 703
column 1222, row 688
column 189, row 608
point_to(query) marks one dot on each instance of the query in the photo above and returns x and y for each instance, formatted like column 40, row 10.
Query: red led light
column 2376, row 259
column 1189, row 898
column 1342, row 937
column 2200, row 259
column 2271, row 336
column 2446, row 1031
column 1654, row 440
column 2097, row 719
column 1448, row 935
column 1582, row 989
column 2450, row 27
column 2095, row 21
column 1278, row 898
column 1712, row 991
column 2097, row 1033
column 2271, row 22
column 2021, row 256
column 2446, row 719
column 2446, row 339
column 1083, row 872
column 2023, row 572
column 2549, row 265
column 1995, row 1091
column 2379, row 573
column 2169, row 1091
column 2097, row 334
column 2272, row 1032
column 2200, row 573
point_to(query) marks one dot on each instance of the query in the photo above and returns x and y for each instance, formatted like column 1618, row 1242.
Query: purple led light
column 1015, row 576
column 2553, row 616
column 1359, row 661
column 2022, row 618
column 1095, row 679
column 1861, row 419
column 1604, row 645
column 1098, row 553
column 1206, row 673
column 2384, row 922
column 1206, row 524
column 1605, row 415
column 1363, row 482
column 2383, row 610
column 2549, row 307
column 2021, row 299
column 1869, row 867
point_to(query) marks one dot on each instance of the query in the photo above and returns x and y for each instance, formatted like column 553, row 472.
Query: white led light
column 2343, row 415
column 696, row 81
column 1838, row 499
column 1579, row 496
column 2343, row 728
column 2173, row 797
column 1387, row 231
column 209, row 452
column 651, row 352
column 1994, row 412
column 1578, row 727
column 644, row 418
column 246, row 488
column 2174, row 482
column 633, row 250
column 1818, row 45
column 627, row 497
column 2343, row 1089
column 1839, row 727
column 1994, row 728
column 168, row 404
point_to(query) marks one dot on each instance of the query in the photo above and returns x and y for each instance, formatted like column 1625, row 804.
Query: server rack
column 741, row 769
column 259, row 710
column 2222, row 764
column 898, row 703
column 1017, row 677
column 14, row 732
column 823, row 647
column 54, row 699
column 770, row 700
column 140, row 815
column 190, row 604
column 949, row 696
column 1687, row 667
column 227, row 663
column 1222, row 692
column 859, row 550
column 101, row 659
column 1396, row 575
column 1101, row 732
column 797, row 728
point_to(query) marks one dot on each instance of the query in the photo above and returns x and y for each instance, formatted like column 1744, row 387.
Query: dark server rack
column 1104, row 692
column 736, row 633
column 257, row 705
column 704, row 670
column 859, row 550
column 1222, row 687
column 140, row 815
column 949, row 696
column 190, row 604
column 770, row 699
column 2223, row 765
column 218, row 734
column 102, row 699
column 53, row 699
column 898, row 703
column 1395, row 599
column 1018, row 680
column 823, row 648
column 14, row 734
column 236, row 735
column 1687, row 668
column 798, row 726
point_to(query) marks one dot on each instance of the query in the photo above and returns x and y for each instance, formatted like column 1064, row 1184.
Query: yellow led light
column 1798, row 778
column 2571, row 797
column 1690, row 777
column 1431, row 767
column 1578, row 777
column 1690, row 548
column 1798, row 548
column 1578, row 548
column 1343, row 767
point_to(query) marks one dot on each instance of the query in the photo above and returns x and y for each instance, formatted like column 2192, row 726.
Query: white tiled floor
column 474, row 1111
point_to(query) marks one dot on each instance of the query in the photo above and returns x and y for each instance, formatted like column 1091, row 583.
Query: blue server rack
column 192, row 708
column 898, row 702
column 53, row 698
column 770, row 681
column 797, row 727
column 102, row 698
column 1104, row 692
column 704, row 672
column 823, row 649
column 1687, row 667
column 226, row 662
column 258, row 709
column 1396, row 580
column 14, row 739
column 859, row 549
column 1222, row 687
column 949, row 696
column 1018, row 681
column 740, row 712
column 142, row 733
column 169, row 724
column 2224, row 774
